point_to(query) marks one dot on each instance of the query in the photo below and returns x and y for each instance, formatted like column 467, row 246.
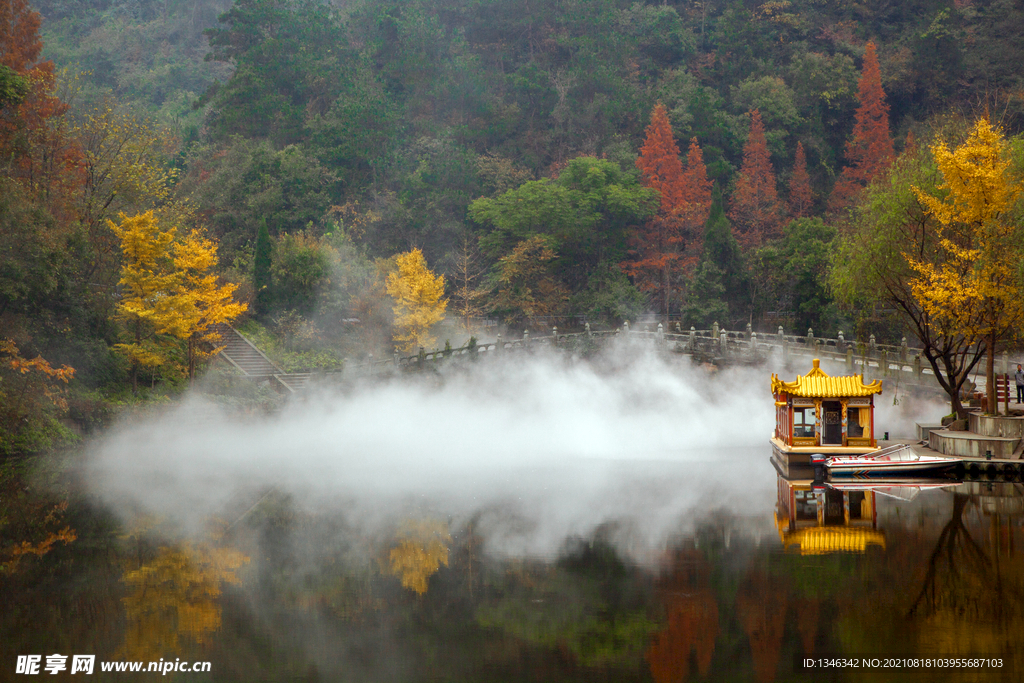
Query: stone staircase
column 247, row 359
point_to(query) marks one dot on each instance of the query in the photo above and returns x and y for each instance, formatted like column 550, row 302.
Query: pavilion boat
column 821, row 415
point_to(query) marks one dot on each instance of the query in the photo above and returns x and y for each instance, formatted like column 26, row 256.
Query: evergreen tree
column 755, row 211
column 800, row 197
column 727, row 269
column 261, row 269
column 870, row 149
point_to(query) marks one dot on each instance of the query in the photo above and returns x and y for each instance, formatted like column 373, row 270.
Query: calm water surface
column 691, row 571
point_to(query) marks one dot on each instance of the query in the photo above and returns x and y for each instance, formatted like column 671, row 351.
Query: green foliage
column 706, row 304
column 247, row 181
column 806, row 248
column 609, row 296
column 300, row 267
column 585, row 212
column 262, row 260
column 729, row 272
column 13, row 88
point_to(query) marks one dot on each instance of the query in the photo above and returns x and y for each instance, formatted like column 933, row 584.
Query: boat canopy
column 817, row 384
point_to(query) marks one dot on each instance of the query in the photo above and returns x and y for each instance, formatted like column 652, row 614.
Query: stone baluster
column 395, row 358
column 625, row 326
column 849, row 359
column 841, row 342
column 554, row 335
column 660, row 333
column 692, row 346
column 714, row 330
column 917, row 366
column 724, row 342
column 872, row 353
column 753, row 343
column 526, row 339
column 903, row 352
column 810, row 339
column 587, row 328
column 499, row 345
column 749, row 330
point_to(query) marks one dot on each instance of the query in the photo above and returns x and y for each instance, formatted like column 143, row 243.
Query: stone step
column 971, row 444
column 1011, row 426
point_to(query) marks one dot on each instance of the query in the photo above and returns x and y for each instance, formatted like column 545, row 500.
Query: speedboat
column 897, row 460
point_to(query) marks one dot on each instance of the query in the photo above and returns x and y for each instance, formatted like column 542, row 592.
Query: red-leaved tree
column 755, row 212
column 32, row 137
column 800, row 198
column 655, row 247
column 870, row 149
column 666, row 244
column 696, row 198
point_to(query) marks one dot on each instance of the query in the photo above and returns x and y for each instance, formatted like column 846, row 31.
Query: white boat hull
column 900, row 460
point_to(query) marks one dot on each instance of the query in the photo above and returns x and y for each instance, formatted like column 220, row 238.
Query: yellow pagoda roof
column 821, row 540
column 817, row 384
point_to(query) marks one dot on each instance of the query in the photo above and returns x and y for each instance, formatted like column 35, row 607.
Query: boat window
column 806, row 506
column 857, row 419
column 857, row 507
column 803, row 422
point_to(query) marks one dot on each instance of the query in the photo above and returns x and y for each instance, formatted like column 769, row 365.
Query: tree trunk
column 990, row 375
column 135, row 361
column 664, row 274
column 191, row 360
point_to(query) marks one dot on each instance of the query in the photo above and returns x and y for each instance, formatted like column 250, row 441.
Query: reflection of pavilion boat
column 892, row 461
column 902, row 488
column 815, row 520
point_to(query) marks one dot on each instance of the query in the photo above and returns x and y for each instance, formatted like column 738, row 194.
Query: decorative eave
column 817, row 384
column 832, row 539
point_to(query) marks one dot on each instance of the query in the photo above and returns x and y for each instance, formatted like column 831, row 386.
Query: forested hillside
column 518, row 144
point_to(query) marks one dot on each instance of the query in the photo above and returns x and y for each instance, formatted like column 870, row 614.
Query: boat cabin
column 825, row 414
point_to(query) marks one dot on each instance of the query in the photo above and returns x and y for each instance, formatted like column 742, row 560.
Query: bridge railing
column 896, row 361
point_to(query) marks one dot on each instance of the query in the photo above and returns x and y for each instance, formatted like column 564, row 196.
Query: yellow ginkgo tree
column 168, row 289
column 421, row 550
column 975, row 288
column 419, row 301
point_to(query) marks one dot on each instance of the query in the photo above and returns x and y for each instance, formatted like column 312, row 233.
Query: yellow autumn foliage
column 974, row 289
column 422, row 549
column 419, row 301
column 169, row 289
column 173, row 599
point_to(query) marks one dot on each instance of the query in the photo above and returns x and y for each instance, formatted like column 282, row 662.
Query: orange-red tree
column 696, row 198
column 655, row 246
column 755, row 212
column 41, row 156
column 800, row 198
column 870, row 149
column 668, row 240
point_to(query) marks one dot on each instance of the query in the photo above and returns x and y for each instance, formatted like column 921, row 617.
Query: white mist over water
column 540, row 447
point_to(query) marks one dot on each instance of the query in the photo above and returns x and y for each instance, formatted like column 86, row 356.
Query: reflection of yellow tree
column 970, row 601
column 692, row 625
column 421, row 550
column 174, row 598
column 761, row 607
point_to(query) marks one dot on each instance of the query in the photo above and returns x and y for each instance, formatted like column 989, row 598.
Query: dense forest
column 323, row 159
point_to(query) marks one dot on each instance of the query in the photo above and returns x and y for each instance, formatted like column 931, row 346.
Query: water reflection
column 861, row 569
